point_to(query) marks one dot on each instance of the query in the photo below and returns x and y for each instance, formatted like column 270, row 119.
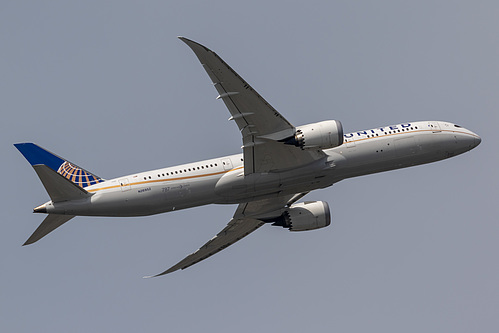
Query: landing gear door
column 227, row 164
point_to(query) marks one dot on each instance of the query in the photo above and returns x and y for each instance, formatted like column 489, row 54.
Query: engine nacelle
column 322, row 135
column 305, row 216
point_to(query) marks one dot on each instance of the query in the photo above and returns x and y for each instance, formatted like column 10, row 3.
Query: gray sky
column 107, row 85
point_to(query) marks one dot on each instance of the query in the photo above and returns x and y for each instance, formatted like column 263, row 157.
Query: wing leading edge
column 260, row 124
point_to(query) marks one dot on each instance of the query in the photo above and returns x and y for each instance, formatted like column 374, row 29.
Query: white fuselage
column 222, row 180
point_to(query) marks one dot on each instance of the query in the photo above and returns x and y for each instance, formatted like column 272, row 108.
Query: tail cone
column 40, row 209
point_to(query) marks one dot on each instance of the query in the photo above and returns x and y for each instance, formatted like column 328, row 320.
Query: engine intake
column 303, row 216
column 322, row 135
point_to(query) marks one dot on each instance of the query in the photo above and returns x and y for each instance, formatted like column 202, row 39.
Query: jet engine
column 305, row 216
column 322, row 135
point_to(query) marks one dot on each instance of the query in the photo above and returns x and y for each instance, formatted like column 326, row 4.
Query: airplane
column 279, row 165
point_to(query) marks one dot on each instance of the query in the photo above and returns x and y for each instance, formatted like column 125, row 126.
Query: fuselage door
column 227, row 163
column 125, row 185
column 433, row 125
column 350, row 143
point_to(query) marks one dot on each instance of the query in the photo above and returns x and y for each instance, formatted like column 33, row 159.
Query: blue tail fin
column 36, row 155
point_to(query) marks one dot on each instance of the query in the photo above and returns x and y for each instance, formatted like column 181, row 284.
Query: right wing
column 248, row 217
column 260, row 124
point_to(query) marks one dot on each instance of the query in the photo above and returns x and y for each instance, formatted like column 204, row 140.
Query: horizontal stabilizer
column 58, row 187
column 51, row 222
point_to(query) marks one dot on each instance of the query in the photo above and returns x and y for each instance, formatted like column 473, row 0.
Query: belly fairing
column 236, row 185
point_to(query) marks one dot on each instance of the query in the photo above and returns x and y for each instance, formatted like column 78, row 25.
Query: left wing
column 248, row 217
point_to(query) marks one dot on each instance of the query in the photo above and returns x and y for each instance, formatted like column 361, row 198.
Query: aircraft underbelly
column 143, row 200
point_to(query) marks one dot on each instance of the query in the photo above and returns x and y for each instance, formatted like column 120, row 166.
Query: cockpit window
column 457, row 126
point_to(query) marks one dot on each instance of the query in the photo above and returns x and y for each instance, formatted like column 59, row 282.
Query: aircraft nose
column 465, row 141
column 477, row 140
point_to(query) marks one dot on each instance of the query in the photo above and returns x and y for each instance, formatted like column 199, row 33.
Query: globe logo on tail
column 77, row 175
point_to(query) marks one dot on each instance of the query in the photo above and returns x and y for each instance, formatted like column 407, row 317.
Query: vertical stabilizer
column 36, row 155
